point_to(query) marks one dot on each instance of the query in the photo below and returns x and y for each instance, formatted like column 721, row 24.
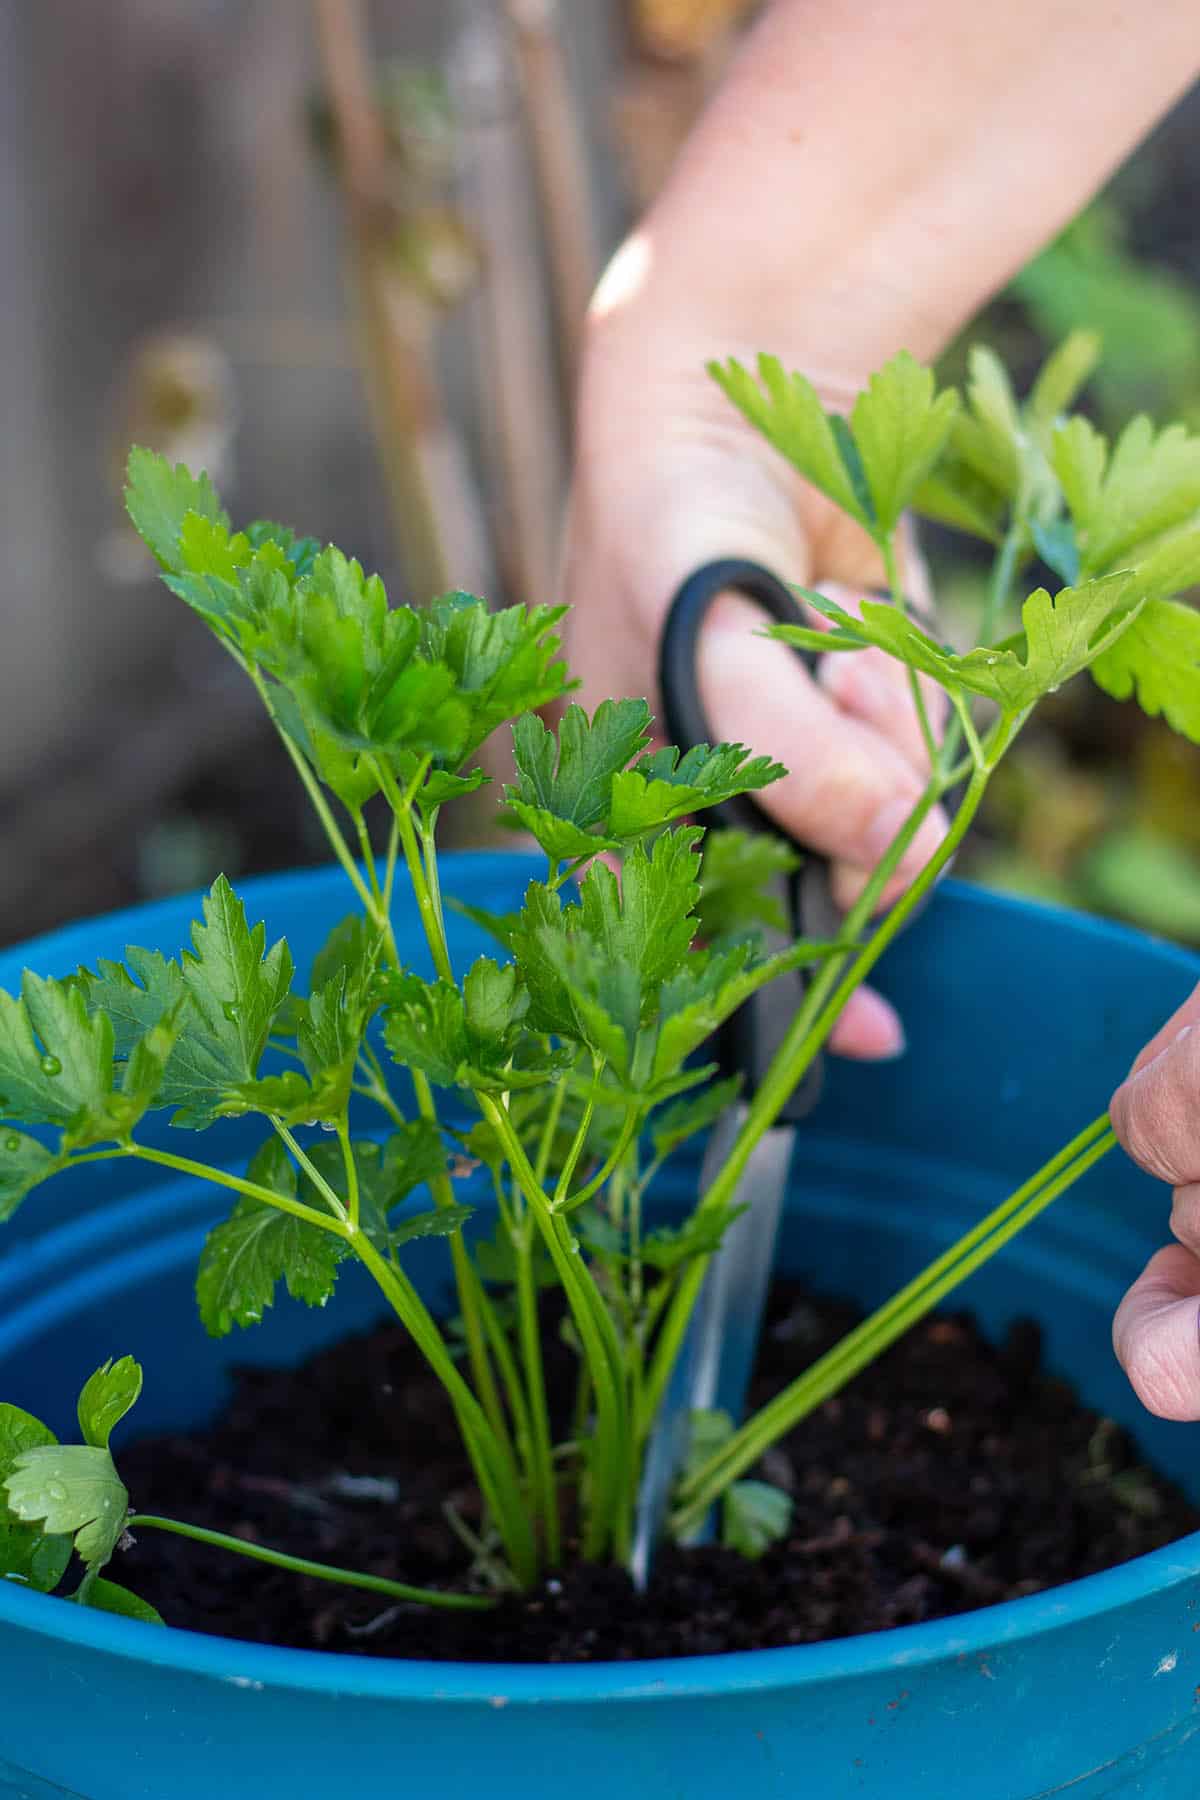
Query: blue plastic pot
column 1021, row 1020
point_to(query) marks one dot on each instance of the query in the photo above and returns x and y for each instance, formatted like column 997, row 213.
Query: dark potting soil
column 952, row 1474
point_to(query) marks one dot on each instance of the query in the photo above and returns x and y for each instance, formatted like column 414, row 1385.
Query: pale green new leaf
column 1061, row 637
column 159, row 498
column 106, row 1397
column 1158, row 660
column 1062, row 375
column 785, row 409
column 70, row 1488
column 1079, row 457
column 1121, row 502
column 900, row 426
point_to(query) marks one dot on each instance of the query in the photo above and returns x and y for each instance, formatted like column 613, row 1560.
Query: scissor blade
column 714, row 1365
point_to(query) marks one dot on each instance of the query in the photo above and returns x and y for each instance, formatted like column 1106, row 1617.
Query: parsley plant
column 566, row 1067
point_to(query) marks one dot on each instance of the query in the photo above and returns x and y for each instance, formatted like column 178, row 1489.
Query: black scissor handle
column 752, row 1036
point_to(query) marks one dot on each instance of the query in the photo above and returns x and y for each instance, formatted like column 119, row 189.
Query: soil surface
column 952, row 1474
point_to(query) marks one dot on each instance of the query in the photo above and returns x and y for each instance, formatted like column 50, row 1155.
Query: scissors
column 712, row 1370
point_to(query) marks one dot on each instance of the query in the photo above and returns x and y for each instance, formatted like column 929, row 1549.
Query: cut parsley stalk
column 704, row 1484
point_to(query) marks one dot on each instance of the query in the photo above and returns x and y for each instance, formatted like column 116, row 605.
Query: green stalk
column 514, row 1390
column 868, row 1340
column 300, row 1565
column 490, row 1455
column 628, row 1132
column 435, row 935
column 1004, row 569
column 184, row 1165
column 465, row 1280
column 312, row 788
column 541, row 1461
column 607, row 1512
column 888, row 550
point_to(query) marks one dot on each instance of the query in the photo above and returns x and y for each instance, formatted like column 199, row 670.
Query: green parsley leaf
column 257, row 1247
column 899, row 427
column 667, row 1248
column 1121, row 502
column 73, row 1489
column 56, row 1062
column 106, row 1397
column 872, row 466
column 563, row 790
column 754, row 1515
column 684, row 1118
column 467, row 1038
column 739, row 871
column 111, row 1597
column 664, row 786
column 28, row 1554
column 352, row 665
column 1062, row 375
column 1158, row 660
column 221, row 1000
column 1061, row 637
column 24, row 1163
column 785, row 409
column 593, row 970
column 504, row 663
column 159, row 498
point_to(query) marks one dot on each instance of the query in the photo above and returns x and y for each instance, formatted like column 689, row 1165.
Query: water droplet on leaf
column 51, row 1065
column 232, row 1011
column 12, row 1141
column 56, row 1490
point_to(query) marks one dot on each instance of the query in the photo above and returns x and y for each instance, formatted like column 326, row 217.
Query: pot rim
column 984, row 1632
column 979, row 1633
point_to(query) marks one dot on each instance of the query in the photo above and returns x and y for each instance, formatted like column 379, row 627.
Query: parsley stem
column 1004, row 569
column 861, row 1346
column 435, row 935
column 323, row 1188
column 466, row 1281
column 566, row 1174
column 888, row 549
column 608, row 1493
column 541, row 1464
column 633, row 1119
column 490, row 1453
column 300, row 1565
column 312, row 788
column 351, row 1168
column 220, row 1178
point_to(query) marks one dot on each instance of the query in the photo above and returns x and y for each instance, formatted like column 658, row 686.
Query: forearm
column 872, row 170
